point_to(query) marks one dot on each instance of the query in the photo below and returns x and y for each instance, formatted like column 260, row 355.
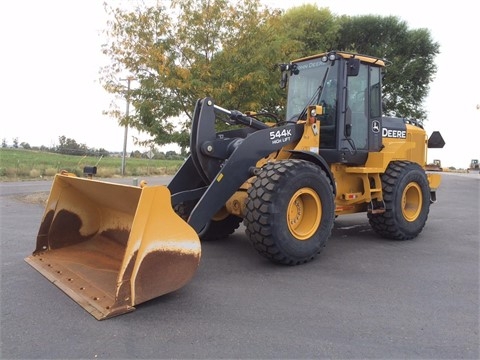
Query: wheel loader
column 435, row 166
column 111, row 247
column 474, row 166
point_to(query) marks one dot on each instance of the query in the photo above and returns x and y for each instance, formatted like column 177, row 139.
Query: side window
column 357, row 101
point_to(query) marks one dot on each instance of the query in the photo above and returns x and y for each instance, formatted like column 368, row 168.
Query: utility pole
column 125, row 136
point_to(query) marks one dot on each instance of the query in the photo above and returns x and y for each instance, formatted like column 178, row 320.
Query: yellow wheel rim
column 304, row 213
column 412, row 202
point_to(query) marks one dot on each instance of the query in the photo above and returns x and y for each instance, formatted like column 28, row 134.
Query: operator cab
column 348, row 87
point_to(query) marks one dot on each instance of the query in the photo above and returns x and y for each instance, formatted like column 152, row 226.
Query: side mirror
column 293, row 68
column 353, row 67
column 435, row 141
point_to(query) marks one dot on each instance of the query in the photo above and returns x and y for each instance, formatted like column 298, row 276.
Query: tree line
column 68, row 146
column 65, row 146
column 228, row 49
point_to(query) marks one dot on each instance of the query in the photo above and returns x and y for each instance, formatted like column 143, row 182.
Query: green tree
column 310, row 30
column 102, row 152
column 70, row 146
column 136, row 154
column 178, row 55
column 410, row 54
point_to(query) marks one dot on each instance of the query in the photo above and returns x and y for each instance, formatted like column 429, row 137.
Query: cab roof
column 347, row 55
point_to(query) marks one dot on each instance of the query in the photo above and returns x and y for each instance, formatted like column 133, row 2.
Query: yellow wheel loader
column 111, row 247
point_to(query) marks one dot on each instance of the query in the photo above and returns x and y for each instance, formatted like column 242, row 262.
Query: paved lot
column 364, row 297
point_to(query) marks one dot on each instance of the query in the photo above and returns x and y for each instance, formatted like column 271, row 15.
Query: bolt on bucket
column 111, row 247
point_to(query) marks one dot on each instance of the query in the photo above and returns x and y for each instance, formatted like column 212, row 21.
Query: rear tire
column 290, row 211
column 406, row 194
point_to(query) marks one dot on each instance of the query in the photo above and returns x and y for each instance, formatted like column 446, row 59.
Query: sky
column 51, row 58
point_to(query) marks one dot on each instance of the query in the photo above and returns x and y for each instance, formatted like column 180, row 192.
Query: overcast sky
column 51, row 60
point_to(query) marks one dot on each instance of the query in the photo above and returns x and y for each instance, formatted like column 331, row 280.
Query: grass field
column 21, row 164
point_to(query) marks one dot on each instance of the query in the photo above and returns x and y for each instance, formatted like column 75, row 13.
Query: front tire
column 406, row 194
column 290, row 211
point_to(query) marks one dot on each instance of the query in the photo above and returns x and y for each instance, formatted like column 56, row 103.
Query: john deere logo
column 376, row 126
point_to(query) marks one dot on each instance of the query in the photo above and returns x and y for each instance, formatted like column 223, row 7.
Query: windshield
column 314, row 83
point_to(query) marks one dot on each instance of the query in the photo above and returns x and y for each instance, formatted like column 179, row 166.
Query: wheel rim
column 304, row 213
column 412, row 201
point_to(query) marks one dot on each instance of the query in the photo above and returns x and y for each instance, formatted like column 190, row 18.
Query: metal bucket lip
column 95, row 301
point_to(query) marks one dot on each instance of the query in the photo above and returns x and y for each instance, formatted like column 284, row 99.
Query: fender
column 316, row 159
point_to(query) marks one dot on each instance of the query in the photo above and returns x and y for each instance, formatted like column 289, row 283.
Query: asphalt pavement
column 363, row 297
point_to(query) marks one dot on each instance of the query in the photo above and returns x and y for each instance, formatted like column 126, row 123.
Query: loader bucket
column 111, row 247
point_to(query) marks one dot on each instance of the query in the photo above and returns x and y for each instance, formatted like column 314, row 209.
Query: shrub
column 34, row 173
column 50, row 172
column 105, row 172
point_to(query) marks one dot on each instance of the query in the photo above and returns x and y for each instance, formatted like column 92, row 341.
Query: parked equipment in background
column 435, row 166
column 474, row 166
